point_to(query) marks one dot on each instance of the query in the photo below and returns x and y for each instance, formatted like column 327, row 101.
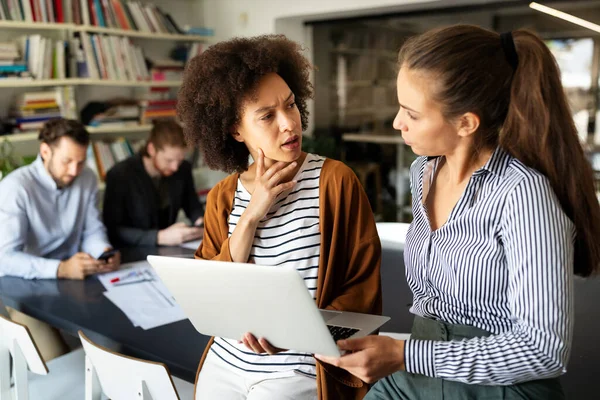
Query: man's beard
column 59, row 183
column 160, row 171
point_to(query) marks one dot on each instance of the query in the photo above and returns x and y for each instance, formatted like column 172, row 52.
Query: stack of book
column 11, row 64
column 166, row 70
column 157, row 109
column 117, row 117
column 33, row 109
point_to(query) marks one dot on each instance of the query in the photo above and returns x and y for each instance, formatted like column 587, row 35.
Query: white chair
column 62, row 378
column 123, row 377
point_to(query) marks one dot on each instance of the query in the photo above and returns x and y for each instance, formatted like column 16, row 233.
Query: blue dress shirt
column 40, row 224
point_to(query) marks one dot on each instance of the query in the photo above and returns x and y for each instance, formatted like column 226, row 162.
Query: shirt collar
column 497, row 164
column 43, row 175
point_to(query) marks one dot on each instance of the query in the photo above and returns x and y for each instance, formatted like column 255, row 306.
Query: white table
column 392, row 234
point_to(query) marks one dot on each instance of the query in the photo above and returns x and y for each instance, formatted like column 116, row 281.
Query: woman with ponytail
column 505, row 213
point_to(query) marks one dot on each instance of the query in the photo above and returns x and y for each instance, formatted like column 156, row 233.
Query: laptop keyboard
column 341, row 332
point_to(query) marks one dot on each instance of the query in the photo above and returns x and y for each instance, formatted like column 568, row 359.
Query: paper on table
column 144, row 306
column 193, row 245
column 144, row 299
column 124, row 270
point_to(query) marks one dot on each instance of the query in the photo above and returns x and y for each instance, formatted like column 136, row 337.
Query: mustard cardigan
column 349, row 264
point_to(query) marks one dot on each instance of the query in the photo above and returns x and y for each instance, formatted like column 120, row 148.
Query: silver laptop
column 229, row 299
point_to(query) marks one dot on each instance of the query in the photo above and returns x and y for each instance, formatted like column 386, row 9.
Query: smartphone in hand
column 107, row 254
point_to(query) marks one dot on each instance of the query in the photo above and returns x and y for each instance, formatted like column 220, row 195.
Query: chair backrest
column 16, row 343
column 124, row 377
column 3, row 310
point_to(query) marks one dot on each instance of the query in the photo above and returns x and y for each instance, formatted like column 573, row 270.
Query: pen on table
column 120, row 278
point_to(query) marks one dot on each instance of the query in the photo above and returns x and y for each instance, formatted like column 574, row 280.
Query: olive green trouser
column 406, row 386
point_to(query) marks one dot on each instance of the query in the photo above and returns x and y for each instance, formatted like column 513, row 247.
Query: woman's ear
column 236, row 135
column 468, row 124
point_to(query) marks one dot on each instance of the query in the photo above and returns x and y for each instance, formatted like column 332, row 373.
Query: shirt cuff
column 95, row 247
column 49, row 269
column 419, row 357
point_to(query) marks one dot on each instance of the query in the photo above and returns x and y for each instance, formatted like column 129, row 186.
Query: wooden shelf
column 15, row 82
column 107, row 82
column 97, row 130
column 20, row 137
column 140, row 34
column 93, row 130
column 36, row 25
column 26, row 25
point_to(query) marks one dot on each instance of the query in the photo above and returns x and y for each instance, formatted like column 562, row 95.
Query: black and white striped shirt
column 503, row 262
column 289, row 237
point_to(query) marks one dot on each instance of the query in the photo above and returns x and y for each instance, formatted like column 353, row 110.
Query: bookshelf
column 68, row 27
column 95, row 132
column 119, row 130
column 109, row 82
column 117, row 78
column 142, row 35
column 29, row 83
column 37, row 26
column 108, row 65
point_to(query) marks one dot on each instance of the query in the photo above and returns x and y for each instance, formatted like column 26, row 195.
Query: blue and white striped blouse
column 288, row 237
column 503, row 262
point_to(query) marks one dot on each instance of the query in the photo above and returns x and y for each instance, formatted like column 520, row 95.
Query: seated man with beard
column 49, row 224
column 145, row 193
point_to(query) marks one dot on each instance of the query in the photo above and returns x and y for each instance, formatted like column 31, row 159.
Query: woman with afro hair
column 289, row 209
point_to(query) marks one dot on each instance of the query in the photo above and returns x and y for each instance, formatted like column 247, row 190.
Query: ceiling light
column 563, row 15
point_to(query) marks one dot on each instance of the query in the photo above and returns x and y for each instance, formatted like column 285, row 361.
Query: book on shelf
column 155, row 107
column 32, row 109
column 115, row 14
column 108, row 57
column 103, row 155
column 34, row 56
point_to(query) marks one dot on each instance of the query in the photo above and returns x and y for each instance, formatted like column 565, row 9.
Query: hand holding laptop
column 369, row 358
column 259, row 346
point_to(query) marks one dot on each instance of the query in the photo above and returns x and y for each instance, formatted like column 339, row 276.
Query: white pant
column 220, row 381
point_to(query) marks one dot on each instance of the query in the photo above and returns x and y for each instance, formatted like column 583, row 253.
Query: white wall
column 232, row 18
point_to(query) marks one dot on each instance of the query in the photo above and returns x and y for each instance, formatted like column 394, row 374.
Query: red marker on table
column 129, row 275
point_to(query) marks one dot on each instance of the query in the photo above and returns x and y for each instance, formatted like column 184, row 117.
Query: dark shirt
column 134, row 209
